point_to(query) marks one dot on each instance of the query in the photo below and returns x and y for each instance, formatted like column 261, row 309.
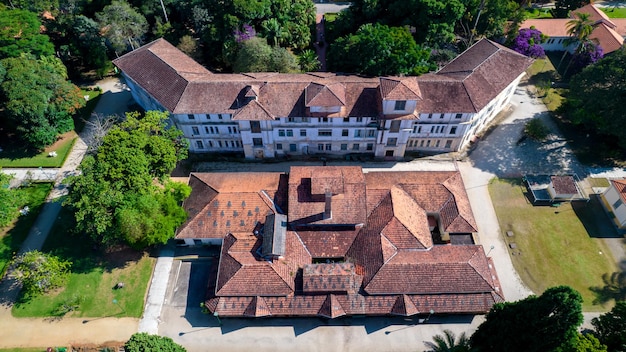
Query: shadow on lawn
column 614, row 288
column 594, row 218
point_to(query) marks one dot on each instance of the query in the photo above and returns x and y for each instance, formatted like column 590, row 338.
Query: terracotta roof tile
column 620, row 187
column 316, row 94
column 396, row 88
column 595, row 14
column 404, row 306
column 552, row 27
column 608, row 39
column 327, row 244
column 412, row 217
column 326, row 278
column 257, row 308
column 331, row 308
column 253, row 111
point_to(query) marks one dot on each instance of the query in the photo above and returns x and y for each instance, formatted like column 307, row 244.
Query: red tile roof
column 387, row 265
column 395, row 88
column 620, row 187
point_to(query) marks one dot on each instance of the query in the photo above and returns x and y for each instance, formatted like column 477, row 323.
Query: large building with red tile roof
column 609, row 33
column 334, row 241
column 271, row 114
column 614, row 201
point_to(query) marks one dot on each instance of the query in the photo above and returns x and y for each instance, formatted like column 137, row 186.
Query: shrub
column 536, row 130
column 144, row 342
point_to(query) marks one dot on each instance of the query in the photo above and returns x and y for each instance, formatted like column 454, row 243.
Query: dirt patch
column 121, row 256
column 62, row 139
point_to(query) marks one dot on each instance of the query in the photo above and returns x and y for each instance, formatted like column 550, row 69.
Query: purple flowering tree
column 244, row 34
column 528, row 42
column 591, row 53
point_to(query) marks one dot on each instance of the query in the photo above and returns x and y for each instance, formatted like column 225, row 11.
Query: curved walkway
column 36, row 332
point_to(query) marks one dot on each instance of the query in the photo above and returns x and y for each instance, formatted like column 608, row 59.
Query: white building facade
column 267, row 115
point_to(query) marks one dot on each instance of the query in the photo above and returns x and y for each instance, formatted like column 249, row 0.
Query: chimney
column 327, row 210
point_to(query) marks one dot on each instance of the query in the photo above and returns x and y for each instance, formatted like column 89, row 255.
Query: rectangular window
column 292, row 147
column 430, row 116
column 219, row 116
column 344, row 146
column 291, row 119
column 199, row 145
column 281, row 133
column 302, row 133
column 305, row 119
column 458, row 116
column 255, row 126
column 355, row 146
column 320, row 147
column 448, row 144
column 400, row 105
column 279, row 146
column 422, row 143
column 437, row 144
column 210, row 144
column 235, row 129
column 230, row 129
column 328, row 146
column 441, row 116
column 391, row 142
column 257, row 142
column 453, row 130
column 195, row 131
column 289, row 133
column 324, row 119
column 358, row 133
column 346, row 119
column 371, row 133
column 344, row 133
column 428, row 143
column 395, row 126
column 370, row 146
column 191, row 116
column 325, row 133
column 617, row 204
column 359, row 119
column 206, row 129
column 219, row 143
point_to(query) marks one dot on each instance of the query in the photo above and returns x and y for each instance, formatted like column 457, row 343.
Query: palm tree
column 308, row 61
column 448, row 343
column 274, row 33
column 579, row 29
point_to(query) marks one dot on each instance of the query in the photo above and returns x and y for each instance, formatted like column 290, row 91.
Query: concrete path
column 15, row 332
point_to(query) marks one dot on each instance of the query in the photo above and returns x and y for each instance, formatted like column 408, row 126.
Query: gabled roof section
column 396, row 88
column 412, row 217
column 331, row 308
column 595, row 14
column 253, row 111
column 257, row 308
column 404, row 306
column 333, row 94
column 608, row 39
column 162, row 70
column 486, row 69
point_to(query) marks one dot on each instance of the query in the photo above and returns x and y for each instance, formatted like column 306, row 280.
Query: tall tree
column 40, row 272
column 534, row 324
column 36, row 6
column 124, row 193
column 579, row 29
column 610, row 327
column 379, row 50
column 20, row 32
column 596, row 95
column 487, row 18
column 562, row 8
column 37, row 99
column 122, row 25
column 308, row 61
column 255, row 55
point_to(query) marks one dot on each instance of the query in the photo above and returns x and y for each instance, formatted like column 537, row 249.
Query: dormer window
column 400, row 105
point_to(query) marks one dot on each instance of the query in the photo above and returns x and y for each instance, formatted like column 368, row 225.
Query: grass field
column 11, row 237
column 94, row 276
column 557, row 246
column 615, row 13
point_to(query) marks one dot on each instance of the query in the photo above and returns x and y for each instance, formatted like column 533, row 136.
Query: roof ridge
column 475, row 255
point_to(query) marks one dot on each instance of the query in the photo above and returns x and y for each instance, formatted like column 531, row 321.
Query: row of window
column 428, row 143
column 320, row 119
column 212, row 130
column 441, row 116
column 219, row 144
column 208, row 116
column 328, row 133
column 434, row 129
column 329, row 147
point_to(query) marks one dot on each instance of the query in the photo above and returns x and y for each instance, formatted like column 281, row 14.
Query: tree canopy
column 40, row 272
column 379, row 50
column 562, row 8
column 534, row 324
column 10, row 201
column 122, row 25
column 596, row 96
column 124, row 193
column 255, row 55
column 610, row 327
column 20, row 32
column 144, row 342
column 37, row 99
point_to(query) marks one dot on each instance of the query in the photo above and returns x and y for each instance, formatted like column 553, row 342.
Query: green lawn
column 558, row 246
column 23, row 349
column 11, row 238
column 537, row 13
column 93, row 278
column 615, row 13
column 18, row 159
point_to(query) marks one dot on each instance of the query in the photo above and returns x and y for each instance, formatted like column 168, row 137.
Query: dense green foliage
column 562, row 8
column 122, row 25
column 611, row 327
column 40, row 272
column 255, row 55
column 536, row 130
column 20, row 32
column 144, row 342
column 378, row 50
column 37, row 100
column 124, row 193
column 10, row 201
column 596, row 96
column 534, row 324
